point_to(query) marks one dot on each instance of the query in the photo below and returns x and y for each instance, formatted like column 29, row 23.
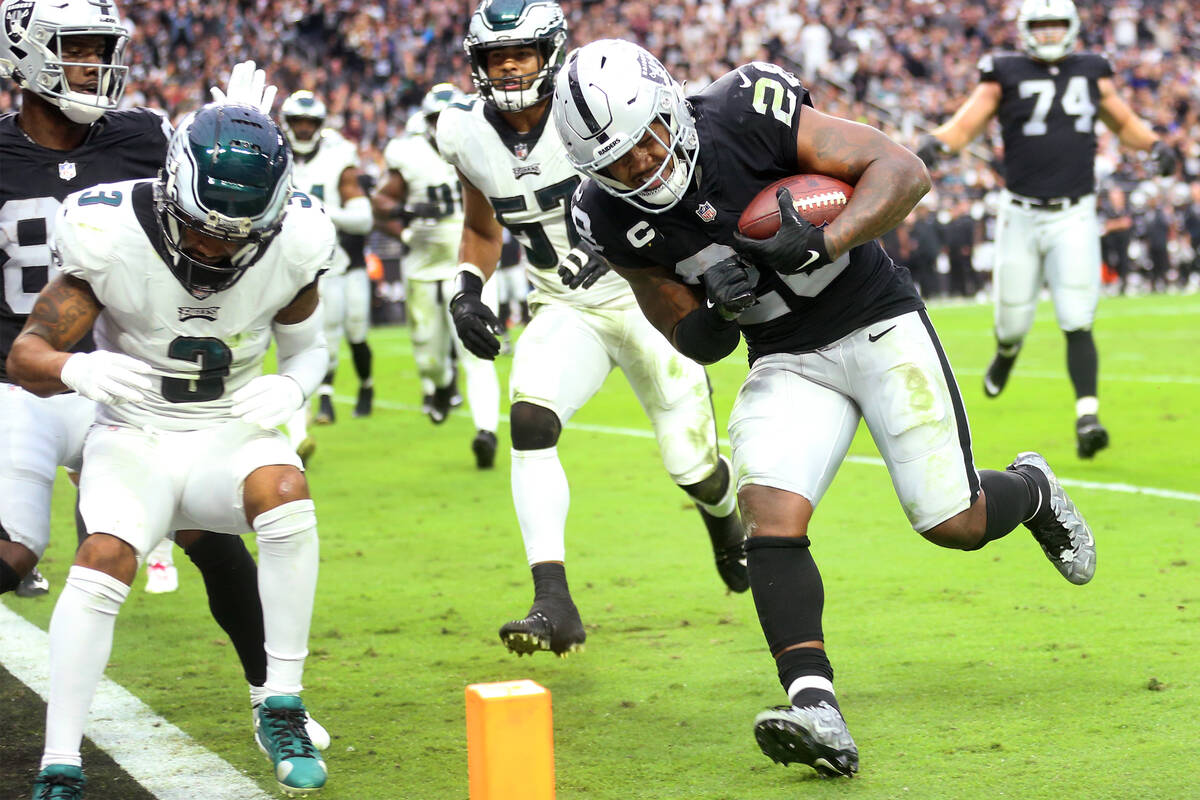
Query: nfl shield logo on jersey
column 66, row 170
column 521, row 150
column 706, row 211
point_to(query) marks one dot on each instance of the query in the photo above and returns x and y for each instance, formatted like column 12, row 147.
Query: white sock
column 1087, row 405
column 809, row 682
column 81, row 634
column 288, row 553
column 483, row 392
column 542, row 498
column 297, row 426
column 728, row 502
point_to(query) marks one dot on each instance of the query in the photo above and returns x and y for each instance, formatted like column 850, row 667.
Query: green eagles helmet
column 508, row 23
column 228, row 176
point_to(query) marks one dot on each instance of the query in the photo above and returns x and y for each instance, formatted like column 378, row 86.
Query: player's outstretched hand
column 580, row 268
column 798, row 246
column 106, row 377
column 1164, row 154
column 268, row 400
column 477, row 326
column 247, row 86
column 728, row 287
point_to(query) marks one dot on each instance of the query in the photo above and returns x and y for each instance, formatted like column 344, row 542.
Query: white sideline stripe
column 1187, row 380
column 163, row 759
column 873, row 461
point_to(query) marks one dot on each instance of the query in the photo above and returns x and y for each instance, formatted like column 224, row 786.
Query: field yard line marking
column 873, row 461
column 1187, row 380
column 159, row 756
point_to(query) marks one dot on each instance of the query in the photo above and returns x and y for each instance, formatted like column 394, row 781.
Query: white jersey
column 202, row 351
column 528, row 180
column 429, row 179
column 319, row 175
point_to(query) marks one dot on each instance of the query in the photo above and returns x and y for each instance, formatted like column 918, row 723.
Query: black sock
column 361, row 353
column 1082, row 362
column 231, row 579
column 549, row 578
column 9, row 579
column 1010, row 500
column 787, row 590
column 328, row 379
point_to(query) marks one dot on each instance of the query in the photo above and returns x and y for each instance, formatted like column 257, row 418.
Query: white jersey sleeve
column 528, row 181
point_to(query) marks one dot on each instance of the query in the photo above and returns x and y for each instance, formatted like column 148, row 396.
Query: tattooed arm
column 888, row 179
column 62, row 314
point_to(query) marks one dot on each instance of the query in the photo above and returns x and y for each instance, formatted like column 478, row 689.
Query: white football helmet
column 605, row 99
column 228, row 175
column 31, row 34
column 1047, row 11
column 508, row 23
column 437, row 100
column 302, row 105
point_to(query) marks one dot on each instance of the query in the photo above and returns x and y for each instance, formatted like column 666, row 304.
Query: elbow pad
column 301, row 350
column 705, row 336
column 354, row 217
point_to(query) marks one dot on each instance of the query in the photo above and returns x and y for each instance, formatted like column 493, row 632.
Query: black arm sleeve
column 705, row 336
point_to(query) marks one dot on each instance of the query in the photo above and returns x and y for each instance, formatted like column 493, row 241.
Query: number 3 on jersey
column 214, row 358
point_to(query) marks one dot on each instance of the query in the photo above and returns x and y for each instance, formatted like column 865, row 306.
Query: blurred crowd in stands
column 903, row 65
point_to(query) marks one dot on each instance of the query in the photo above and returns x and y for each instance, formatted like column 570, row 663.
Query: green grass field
column 962, row 675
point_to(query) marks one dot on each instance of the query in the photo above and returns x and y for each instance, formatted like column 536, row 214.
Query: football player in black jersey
column 835, row 330
column 1048, row 100
column 66, row 137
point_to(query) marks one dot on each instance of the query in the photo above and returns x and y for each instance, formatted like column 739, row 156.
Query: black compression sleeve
column 705, row 336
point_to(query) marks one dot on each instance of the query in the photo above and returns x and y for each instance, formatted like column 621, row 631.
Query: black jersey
column 1047, row 118
column 34, row 180
column 747, row 125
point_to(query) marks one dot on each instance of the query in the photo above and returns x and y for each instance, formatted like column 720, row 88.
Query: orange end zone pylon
column 510, row 741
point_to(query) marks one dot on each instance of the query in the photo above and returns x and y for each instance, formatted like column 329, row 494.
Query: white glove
column 268, row 400
column 110, row 378
column 247, row 86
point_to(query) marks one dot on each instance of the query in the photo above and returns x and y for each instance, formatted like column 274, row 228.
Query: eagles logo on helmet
column 514, row 23
column 227, row 177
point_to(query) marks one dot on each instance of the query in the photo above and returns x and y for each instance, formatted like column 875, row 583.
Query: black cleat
column 1061, row 530
column 1090, row 436
column 812, row 735
column 484, row 448
column 35, row 584
column 366, row 401
column 552, row 624
column 325, row 414
column 997, row 374
column 439, row 405
column 731, row 566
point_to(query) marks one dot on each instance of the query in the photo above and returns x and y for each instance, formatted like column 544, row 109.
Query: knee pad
column 533, row 427
column 713, row 489
column 105, row 594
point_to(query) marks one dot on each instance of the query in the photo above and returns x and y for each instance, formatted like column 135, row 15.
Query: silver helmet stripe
column 585, row 111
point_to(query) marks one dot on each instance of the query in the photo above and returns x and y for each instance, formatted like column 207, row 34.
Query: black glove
column 1164, row 154
column 728, row 287
column 797, row 247
column 581, row 268
column 930, row 149
column 477, row 326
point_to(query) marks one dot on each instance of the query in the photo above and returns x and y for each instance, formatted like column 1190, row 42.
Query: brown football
column 818, row 198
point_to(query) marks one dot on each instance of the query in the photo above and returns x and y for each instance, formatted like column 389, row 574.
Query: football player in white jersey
column 326, row 167
column 1048, row 100
column 184, row 279
column 515, row 174
column 421, row 202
